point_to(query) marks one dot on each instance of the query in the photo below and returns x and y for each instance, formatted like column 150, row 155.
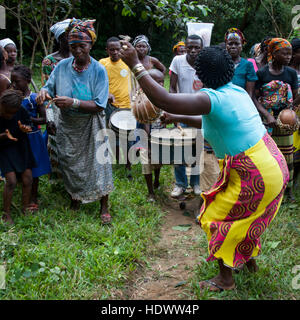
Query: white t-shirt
column 188, row 81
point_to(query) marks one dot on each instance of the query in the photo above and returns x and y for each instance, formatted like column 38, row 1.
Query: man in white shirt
column 183, row 79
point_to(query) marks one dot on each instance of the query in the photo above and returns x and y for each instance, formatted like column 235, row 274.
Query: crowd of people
column 250, row 162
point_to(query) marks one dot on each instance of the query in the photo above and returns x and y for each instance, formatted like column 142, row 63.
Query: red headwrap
column 81, row 31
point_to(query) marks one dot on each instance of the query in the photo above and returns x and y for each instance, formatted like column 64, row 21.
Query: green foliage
column 159, row 20
column 165, row 13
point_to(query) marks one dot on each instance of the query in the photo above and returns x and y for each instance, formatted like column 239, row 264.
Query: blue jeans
column 181, row 179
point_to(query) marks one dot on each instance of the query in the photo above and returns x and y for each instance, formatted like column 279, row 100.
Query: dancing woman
column 254, row 174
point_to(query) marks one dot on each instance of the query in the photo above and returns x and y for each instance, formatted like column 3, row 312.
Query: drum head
column 122, row 119
column 173, row 136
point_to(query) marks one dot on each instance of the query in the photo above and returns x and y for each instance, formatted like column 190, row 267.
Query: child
column 16, row 157
column 21, row 78
column 148, row 168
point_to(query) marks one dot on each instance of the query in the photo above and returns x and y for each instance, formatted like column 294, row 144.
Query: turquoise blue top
column 233, row 124
column 91, row 84
column 244, row 72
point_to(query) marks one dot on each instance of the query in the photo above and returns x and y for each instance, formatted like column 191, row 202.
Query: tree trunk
column 249, row 17
column 33, row 52
column 20, row 34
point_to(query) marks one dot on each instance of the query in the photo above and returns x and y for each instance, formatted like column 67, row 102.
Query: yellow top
column 119, row 77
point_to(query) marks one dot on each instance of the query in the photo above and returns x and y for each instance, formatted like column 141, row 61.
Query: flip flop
column 33, row 207
column 105, row 218
column 213, row 286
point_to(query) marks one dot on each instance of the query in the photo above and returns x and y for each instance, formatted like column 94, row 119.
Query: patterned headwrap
column 178, row 44
column 141, row 38
column 59, row 28
column 235, row 33
column 81, row 31
column 276, row 44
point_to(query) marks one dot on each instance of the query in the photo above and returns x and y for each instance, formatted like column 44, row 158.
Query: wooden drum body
column 143, row 110
column 173, row 146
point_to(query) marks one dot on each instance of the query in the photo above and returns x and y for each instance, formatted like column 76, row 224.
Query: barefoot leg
column 9, row 187
column 156, row 178
column 104, row 212
column 34, row 192
column 26, row 188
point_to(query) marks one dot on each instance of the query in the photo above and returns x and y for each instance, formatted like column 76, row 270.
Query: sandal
column 32, row 207
column 213, row 286
column 105, row 218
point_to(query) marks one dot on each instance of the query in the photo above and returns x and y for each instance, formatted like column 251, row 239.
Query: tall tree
column 38, row 16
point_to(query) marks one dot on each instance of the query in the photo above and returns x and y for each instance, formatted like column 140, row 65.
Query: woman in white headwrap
column 142, row 46
column 11, row 49
column 50, row 61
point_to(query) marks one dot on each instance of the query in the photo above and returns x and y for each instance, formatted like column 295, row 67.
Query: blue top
column 244, row 72
column 233, row 124
column 91, row 84
column 29, row 103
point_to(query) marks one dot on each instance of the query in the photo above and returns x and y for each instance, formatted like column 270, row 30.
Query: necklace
column 76, row 68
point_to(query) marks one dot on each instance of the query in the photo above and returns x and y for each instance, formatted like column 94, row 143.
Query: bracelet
column 137, row 68
column 140, row 75
column 76, row 103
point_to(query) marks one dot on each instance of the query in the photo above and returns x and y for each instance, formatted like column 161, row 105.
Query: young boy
column 147, row 169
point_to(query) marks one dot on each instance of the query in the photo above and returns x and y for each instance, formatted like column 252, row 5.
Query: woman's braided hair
column 214, row 67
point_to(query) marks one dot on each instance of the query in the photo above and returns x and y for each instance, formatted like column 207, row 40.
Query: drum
column 174, row 146
column 143, row 110
column 122, row 122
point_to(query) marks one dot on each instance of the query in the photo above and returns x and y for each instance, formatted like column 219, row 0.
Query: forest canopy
column 163, row 21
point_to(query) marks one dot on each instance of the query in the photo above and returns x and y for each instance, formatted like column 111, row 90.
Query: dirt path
column 174, row 257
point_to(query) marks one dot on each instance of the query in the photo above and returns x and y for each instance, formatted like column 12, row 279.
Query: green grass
column 60, row 254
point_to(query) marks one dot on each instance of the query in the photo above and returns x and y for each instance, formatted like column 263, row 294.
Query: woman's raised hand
column 128, row 54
